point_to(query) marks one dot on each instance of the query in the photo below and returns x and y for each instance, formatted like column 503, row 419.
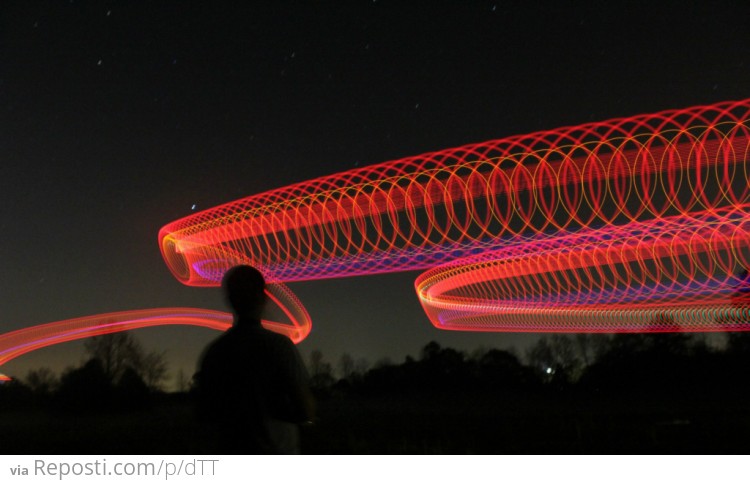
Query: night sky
column 119, row 117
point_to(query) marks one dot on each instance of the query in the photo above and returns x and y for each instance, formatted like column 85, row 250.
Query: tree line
column 632, row 363
column 118, row 372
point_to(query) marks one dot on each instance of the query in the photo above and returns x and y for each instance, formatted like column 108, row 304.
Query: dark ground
column 546, row 422
column 633, row 394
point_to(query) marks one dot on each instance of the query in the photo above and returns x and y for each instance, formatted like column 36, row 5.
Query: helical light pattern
column 628, row 225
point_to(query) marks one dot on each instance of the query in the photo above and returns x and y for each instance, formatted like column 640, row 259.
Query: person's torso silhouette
column 252, row 386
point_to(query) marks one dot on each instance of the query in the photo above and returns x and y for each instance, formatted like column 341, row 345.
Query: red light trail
column 628, row 225
column 22, row 341
column 638, row 224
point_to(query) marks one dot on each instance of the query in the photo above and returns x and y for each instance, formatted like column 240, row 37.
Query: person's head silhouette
column 244, row 287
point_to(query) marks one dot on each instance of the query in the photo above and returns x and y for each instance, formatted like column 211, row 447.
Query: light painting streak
column 629, row 225
column 637, row 224
column 22, row 341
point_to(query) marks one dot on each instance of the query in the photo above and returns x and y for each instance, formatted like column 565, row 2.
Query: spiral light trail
column 629, row 225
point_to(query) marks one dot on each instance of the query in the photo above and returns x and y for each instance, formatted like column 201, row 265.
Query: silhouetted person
column 251, row 386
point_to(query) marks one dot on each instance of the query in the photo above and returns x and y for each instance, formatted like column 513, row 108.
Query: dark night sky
column 117, row 117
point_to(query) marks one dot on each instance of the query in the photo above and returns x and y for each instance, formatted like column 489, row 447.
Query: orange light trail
column 22, row 341
column 637, row 224
column 602, row 227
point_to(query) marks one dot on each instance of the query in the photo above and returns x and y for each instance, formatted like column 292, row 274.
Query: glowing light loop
column 627, row 225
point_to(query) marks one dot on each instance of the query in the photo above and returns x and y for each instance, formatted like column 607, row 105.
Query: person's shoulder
column 276, row 342
column 275, row 337
column 223, row 339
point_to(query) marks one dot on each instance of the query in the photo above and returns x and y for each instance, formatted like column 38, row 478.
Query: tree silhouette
column 120, row 352
column 42, row 381
column 346, row 366
column 556, row 358
column 321, row 372
column 131, row 391
column 115, row 352
column 182, row 382
column 499, row 369
column 153, row 369
column 84, row 389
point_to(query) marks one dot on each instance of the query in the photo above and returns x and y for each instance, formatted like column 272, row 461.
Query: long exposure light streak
column 627, row 225
column 637, row 224
column 22, row 341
